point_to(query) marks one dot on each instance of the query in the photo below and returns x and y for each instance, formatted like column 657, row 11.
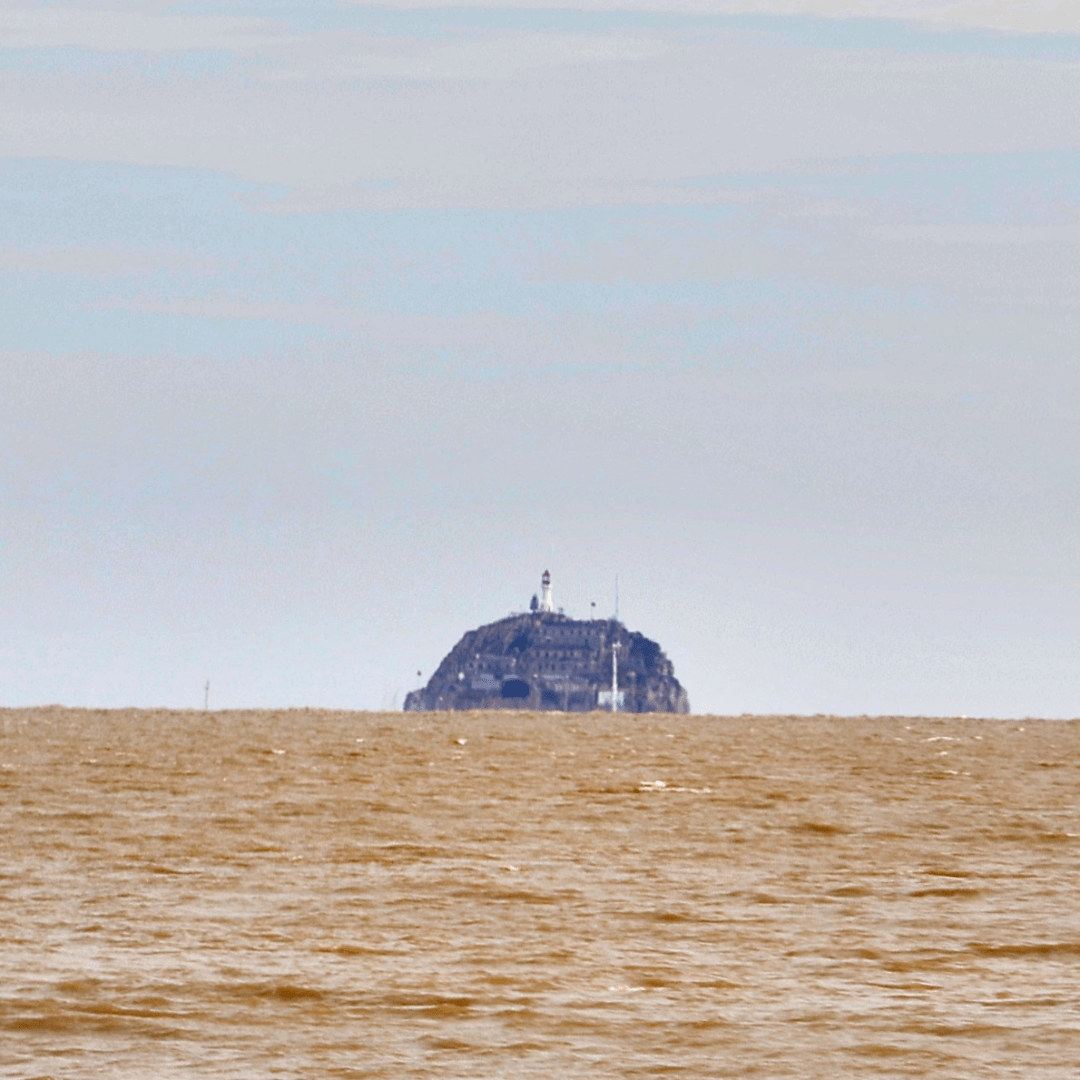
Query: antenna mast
column 615, row 676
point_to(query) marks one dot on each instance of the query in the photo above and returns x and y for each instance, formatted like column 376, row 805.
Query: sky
column 326, row 327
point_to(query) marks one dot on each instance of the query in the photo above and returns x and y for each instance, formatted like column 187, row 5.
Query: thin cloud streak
column 130, row 28
column 1029, row 17
column 73, row 26
column 609, row 129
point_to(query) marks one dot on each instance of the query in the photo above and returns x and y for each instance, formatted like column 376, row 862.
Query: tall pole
column 615, row 677
column 206, row 696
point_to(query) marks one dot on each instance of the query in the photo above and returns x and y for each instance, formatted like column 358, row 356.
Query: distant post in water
column 206, row 697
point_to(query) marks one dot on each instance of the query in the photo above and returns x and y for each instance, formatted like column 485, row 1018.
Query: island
column 544, row 660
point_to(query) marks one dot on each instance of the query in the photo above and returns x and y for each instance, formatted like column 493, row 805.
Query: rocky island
column 544, row 660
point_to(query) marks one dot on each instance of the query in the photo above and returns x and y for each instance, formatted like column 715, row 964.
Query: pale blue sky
column 328, row 327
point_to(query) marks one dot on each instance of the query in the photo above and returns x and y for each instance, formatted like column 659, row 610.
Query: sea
column 306, row 893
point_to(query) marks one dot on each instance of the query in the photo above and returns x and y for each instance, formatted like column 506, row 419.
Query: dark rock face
column 547, row 661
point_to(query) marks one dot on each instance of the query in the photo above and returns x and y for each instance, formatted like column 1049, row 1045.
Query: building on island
column 544, row 660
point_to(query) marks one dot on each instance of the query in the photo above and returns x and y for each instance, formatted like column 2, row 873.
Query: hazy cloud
column 1031, row 16
column 130, row 29
column 611, row 118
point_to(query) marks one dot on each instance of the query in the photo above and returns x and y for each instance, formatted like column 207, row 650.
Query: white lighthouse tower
column 546, row 603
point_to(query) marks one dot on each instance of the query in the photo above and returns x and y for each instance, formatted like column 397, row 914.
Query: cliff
column 546, row 661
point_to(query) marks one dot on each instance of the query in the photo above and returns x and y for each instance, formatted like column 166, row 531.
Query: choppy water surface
column 496, row 895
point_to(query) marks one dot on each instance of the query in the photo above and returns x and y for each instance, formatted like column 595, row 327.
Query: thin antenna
column 206, row 696
column 615, row 676
column 616, row 597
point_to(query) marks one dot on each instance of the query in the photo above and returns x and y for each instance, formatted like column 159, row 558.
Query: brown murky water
column 310, row 894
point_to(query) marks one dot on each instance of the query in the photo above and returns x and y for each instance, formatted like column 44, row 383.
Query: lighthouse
column 546, row 603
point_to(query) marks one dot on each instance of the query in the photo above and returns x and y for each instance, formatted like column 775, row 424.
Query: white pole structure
column 206, row 696
column 615, row 677
column 546, row 602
